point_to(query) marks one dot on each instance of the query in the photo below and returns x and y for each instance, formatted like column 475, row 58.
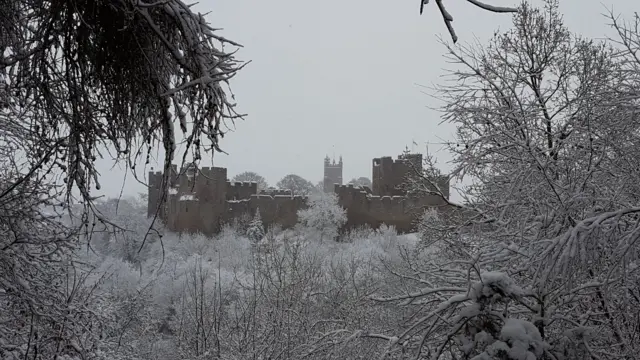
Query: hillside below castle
column 203, row 200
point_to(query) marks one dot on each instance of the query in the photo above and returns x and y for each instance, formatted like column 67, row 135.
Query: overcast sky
column 342, row 77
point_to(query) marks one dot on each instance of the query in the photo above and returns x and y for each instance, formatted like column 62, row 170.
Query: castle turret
column 332, row 174
column 389, row 175
column 154, row 193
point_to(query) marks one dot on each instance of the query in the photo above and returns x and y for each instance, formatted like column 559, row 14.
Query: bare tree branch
column 448, row 18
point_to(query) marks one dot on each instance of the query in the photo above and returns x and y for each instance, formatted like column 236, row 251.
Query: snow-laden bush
column 323, row 215
column 133, row 234
column 517, row 340
column 255, row 229
column 489, row 329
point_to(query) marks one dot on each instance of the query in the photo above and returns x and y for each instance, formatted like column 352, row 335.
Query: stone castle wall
column 195, row 202
column 276, row 192
column 279, row 210
column 241, row 190
column 203, row 201
column 363, row 208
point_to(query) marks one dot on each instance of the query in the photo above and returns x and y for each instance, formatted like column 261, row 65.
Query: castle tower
column 389, row 175
column 332, row 174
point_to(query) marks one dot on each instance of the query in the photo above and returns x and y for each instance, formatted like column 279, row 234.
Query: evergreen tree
column 255, row 231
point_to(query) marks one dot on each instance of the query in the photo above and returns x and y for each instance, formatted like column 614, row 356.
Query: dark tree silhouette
column 81, row 80
column 297, row 184
column 81, row 77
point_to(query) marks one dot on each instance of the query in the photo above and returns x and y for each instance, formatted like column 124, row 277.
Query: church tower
column 332, row 174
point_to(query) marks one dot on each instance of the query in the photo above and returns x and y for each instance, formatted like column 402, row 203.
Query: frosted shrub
column 241, row 223
column 388, row 235
column 356, row 234
column 133, row 228
column 324, row 216
column 487, row 328
column 255, row 229
column 430, row 227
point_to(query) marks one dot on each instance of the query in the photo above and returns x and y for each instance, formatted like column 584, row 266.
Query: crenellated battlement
column 349, row 193
column 347, row 188
column 241, row 184
column 386, row 160
column 276, row 192
column 389, row 175
column 241, row 190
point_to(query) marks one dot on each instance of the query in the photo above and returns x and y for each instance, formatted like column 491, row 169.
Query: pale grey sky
column 340, row 77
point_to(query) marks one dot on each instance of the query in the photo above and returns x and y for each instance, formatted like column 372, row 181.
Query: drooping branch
column 448, row 18
column 85, row 76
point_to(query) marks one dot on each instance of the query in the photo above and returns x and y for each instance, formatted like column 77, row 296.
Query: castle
column 203, row 200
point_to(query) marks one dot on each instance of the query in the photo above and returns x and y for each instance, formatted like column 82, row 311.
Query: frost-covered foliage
column 255, row 230
column 547, row 130
column 488, row 329
column 323, row 215
column 43, row 302
column 200, row 298
column 133, row 233
column 318, row 188
column 297, row 185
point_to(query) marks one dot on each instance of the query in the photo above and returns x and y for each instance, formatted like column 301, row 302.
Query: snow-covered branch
column 448, row 18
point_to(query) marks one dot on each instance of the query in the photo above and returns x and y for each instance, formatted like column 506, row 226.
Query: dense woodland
column 539, row 261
